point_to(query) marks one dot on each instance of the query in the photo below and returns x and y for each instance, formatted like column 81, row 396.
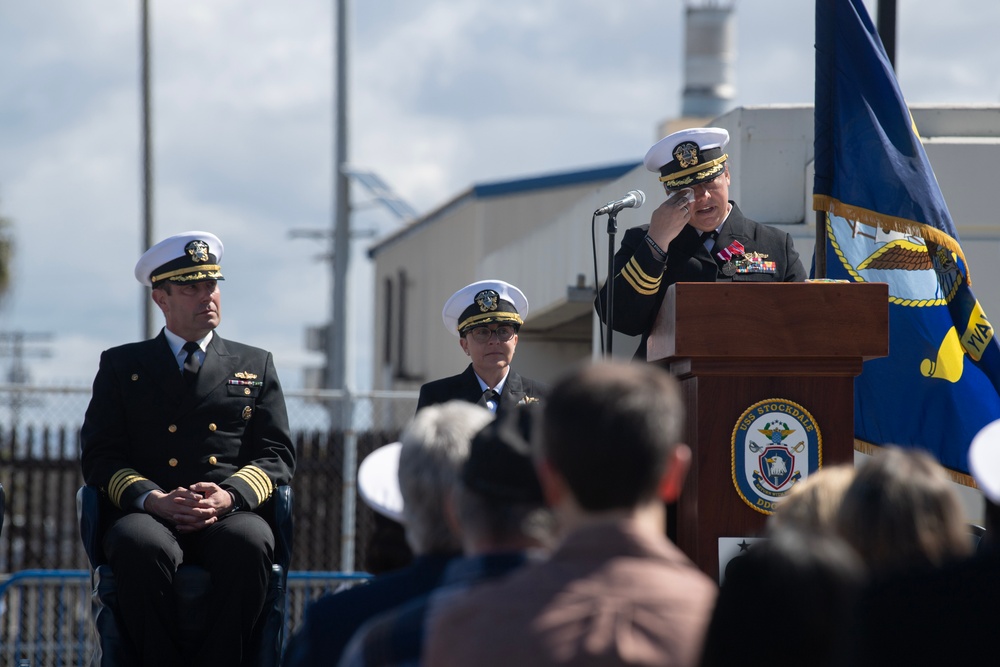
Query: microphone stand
column 609, row 313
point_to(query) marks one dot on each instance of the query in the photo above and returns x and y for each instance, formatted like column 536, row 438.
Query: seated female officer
column 486, row 317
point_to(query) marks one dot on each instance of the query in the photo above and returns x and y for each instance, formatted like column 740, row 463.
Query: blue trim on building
column 500, row 188
column 511, row 187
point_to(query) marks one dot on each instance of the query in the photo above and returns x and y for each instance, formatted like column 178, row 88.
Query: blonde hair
column 813, row 503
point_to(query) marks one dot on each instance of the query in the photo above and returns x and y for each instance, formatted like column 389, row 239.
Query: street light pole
column 337, row 339
column 336, row 376
column 147, row 168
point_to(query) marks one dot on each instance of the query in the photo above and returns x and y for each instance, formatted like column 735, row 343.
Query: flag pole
column 819, row 254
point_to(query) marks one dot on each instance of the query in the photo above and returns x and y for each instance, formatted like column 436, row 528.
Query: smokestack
column 709, row 58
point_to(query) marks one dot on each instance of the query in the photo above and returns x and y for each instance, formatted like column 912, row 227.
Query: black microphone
column 633, row 199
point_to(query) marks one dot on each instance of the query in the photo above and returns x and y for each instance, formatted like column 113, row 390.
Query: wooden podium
column 767, row 373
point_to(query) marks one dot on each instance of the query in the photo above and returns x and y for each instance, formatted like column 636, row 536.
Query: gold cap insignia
column 198, row 250
column 487, row 300
column 686, row 154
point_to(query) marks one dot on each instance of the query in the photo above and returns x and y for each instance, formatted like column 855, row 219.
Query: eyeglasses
column 482, row 335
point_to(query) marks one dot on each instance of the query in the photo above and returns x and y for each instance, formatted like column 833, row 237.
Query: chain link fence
column 315, row 410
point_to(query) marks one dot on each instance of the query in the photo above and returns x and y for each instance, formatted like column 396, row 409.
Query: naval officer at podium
column 697, row 235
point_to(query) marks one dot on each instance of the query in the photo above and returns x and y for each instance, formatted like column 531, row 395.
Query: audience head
column 499, row 502
column 816, row 576
column 611, row 431
column 901, row 513
column 435, row 445
column 812, row 504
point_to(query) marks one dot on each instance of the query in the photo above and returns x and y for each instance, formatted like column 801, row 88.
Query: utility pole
column 147, row 167
column 336, row 357
column 336, row 372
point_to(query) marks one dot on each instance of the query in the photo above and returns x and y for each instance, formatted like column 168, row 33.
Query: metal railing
column 46, row 618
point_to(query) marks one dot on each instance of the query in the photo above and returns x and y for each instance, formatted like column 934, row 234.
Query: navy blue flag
column 886, row 221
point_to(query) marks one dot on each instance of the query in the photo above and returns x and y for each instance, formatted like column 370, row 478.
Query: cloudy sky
column 443, row 94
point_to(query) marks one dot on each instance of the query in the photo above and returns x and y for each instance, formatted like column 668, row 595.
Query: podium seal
column 776, row 443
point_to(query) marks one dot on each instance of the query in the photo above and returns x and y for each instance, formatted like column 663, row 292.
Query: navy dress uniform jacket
column 641, row 279
column 465, row 387
column 331, row 621
column 145, row 430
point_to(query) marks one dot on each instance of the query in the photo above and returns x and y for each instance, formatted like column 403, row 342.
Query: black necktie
column 191, row 364
column 488, row 395
column 709, row 236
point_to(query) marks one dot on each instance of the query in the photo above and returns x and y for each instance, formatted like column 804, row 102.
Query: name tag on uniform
column 245, row 383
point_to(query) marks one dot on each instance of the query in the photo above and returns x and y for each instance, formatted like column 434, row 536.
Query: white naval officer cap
column 378, row 481
column 484, row 302
column 181, row 258
column 984, row 461
column 689, row 157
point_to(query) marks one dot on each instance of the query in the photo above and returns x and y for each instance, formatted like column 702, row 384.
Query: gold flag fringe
column 890, row 223
column 874, row 450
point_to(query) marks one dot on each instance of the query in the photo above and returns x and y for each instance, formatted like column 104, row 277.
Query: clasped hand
column 190, row 509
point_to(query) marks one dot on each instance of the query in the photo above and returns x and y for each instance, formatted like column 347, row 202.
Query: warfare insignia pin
column 198, row 250
column 487, row 300
column 776, row 444
column 686, row 153
column 245, row 375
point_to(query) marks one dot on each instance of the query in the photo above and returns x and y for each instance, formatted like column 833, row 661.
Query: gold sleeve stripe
column 640, row 281
column 635, row 269
column 120, row 481
column 637, row 286
column 258, row 481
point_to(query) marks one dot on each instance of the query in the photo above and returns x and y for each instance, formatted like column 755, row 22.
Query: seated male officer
column 185, row 434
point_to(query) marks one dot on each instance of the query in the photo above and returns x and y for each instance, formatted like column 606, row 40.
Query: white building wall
column 429, row 260
column 555, row 260
column 471, row 239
